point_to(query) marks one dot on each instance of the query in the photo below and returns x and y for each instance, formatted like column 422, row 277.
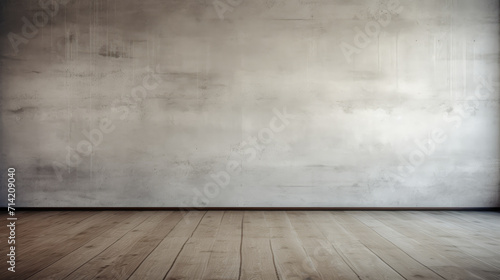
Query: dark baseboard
column 496, row 209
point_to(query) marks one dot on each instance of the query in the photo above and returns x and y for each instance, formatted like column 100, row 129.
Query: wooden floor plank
column 194, row 256
column 459, row 251
column 413, row 230
column 121, row 259
column 364, row 262
column 274, row 245
column 488, row 220
column 479, row 229
column 291, row 260
column 158, row 263
column 393, row 256
column 324, row 257
column 484, row 249
column 224, row 261
column 64, row 266
column 437, row 261
column 57, row 245
column 257, row 257
column 49, row 224
column 209, row 225
column 75, row 225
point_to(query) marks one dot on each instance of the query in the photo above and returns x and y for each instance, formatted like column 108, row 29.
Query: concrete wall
column 251, row 103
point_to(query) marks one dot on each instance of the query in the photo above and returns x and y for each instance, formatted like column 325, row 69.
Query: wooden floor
column 255, row 245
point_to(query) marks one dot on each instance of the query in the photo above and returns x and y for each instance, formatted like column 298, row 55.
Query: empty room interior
column 250, row 139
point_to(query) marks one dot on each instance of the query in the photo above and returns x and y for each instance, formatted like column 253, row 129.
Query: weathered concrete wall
column 251, row 103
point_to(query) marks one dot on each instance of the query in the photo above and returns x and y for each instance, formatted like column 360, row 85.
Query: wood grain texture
column 251, row 245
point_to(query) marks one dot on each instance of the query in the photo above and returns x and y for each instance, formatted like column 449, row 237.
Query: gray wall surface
column 291, row 103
